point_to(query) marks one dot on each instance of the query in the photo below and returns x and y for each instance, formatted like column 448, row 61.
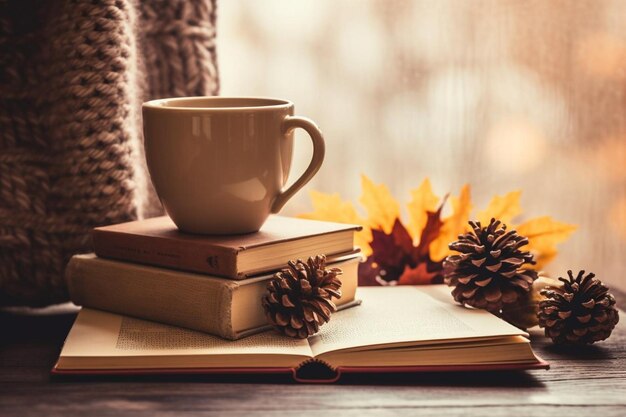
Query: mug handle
column 288, row 124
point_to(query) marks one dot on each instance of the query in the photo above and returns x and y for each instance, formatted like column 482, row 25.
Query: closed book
column 222, row 307
column 396, row 329
column 158, row 242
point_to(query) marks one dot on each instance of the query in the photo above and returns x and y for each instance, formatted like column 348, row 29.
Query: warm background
column 504, row 95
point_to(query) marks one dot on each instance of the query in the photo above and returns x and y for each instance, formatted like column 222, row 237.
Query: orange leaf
column 422, row 201
column 382, row 208
column 330, row 207
column 504, row 208
column 544, row 233
column 543, row 258
column 453, row 225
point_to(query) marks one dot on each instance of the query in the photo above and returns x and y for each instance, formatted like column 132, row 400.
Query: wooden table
column 588, row 381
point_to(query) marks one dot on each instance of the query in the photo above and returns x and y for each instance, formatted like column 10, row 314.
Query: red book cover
column 158, row 242
column 309, row 372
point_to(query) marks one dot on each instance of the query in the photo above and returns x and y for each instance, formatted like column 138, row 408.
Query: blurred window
column 501, row 94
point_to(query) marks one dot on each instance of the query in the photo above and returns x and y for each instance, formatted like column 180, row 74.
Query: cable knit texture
column 73, row 75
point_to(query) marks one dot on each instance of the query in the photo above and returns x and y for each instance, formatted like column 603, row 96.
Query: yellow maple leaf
column 543, row 234
column 330, row 207
column 382, row 208
column 453, row 225
column 422, row 200
column 504, row 208
column 543, row 258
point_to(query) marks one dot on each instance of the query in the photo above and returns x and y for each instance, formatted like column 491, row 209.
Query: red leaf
column 368, row 273
column 418, row 275
column 390, row 252
column 390, row 249
column 394, row 259
column 430, row 232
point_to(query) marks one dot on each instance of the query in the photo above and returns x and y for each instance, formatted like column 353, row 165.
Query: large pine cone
column 490, row 270
column 580, row 312
column 299, row 298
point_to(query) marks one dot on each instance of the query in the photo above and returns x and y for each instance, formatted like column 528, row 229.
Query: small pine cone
column 298, row 299
column 580, row 312
column 490, row 270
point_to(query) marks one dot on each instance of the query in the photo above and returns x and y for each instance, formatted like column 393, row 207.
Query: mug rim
column 247, row 103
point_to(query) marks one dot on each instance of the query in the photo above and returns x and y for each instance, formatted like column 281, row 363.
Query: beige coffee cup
column 219, row 164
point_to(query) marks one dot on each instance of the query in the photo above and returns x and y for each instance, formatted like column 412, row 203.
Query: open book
column 400, row 328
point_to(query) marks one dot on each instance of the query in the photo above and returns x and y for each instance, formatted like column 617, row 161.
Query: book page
column 98, row 334
column 406, row 314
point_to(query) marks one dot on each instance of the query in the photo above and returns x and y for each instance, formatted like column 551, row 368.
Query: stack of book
column 214, row 284
column 158, row 301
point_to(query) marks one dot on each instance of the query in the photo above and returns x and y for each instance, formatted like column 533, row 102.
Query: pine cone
column 489, row 272
column 298, row 299
column 580, row 312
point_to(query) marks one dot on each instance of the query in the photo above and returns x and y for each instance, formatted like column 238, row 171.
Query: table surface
column 581, row 381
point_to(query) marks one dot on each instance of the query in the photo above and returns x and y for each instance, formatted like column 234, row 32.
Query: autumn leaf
column 330, row 207
column 400, row 255
column 432, row 230
column 453, row 225
column 369, row 274
column 362, row 240
column 392, row 251
column 423, row 270
column 396, row 260
column 420, row 275
column 504, row 208
column 543, row 234
column 422, row 201
column 382, row 209
column 543, row 258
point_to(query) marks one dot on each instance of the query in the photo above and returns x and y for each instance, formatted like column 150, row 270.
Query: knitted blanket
column 73, row 75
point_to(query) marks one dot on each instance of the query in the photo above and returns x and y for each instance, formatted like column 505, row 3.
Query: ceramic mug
column 219, row 164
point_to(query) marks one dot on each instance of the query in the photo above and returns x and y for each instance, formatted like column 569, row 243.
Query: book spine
column 176, row 298
column 169, row 253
